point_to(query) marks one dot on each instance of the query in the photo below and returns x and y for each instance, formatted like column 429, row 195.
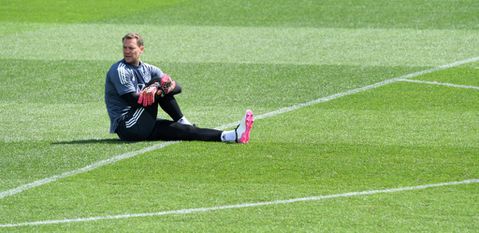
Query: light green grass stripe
column 245, row 205
column 263, row 45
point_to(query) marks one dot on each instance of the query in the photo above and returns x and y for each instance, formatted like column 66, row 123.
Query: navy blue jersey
column 123, row 78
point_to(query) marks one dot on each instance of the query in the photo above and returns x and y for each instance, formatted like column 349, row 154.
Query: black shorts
column 137, row 124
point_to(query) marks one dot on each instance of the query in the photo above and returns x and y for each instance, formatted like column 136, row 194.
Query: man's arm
column 148, row 96
column 132, row 99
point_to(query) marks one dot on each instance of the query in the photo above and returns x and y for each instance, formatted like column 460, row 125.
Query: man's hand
column 167, row 84
column 147, row 95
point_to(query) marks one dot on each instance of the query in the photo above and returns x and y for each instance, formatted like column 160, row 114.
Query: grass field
column 339, row 121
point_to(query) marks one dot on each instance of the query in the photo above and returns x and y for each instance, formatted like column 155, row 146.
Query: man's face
column 132, row 52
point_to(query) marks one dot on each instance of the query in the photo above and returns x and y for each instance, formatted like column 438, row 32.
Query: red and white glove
column 167, row 84
column 147, row 95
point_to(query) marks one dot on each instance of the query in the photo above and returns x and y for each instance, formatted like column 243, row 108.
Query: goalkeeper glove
column 147, row 95
column 167, row 84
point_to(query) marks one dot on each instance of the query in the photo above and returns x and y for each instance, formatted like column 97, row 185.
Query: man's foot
column 244, row 128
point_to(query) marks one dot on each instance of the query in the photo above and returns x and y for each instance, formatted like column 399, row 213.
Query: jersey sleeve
column 121, row 81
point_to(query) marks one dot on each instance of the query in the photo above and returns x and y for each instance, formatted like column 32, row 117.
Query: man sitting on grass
column 133, row 92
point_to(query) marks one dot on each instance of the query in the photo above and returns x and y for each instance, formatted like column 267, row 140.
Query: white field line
column 242, row 205
column 85, row 169
column 120, row 157
column 440, row 84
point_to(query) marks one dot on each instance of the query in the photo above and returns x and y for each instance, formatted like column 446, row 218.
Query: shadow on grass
column 92, row 141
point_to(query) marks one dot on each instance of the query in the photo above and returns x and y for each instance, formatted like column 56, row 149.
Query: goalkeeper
column 133, row 92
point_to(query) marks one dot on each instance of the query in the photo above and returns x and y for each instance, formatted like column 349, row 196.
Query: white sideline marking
column 440, row 84
column 88, row 168
column 242, row 205
column 120, row 157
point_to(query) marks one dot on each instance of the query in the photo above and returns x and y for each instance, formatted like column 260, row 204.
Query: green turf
column 83, row 108
column 229, row 56
column 247, row 45
column 370, row 148
column 303, row 13
column 54, row 11
column 417, row 211
column 464, row 75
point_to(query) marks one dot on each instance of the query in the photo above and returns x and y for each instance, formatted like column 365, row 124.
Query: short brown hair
column 133, row 35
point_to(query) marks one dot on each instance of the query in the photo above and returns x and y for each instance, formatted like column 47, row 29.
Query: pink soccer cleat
column 243, row 130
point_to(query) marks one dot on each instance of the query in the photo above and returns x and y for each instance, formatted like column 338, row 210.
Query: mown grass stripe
column 247, row 45
column 243, row 205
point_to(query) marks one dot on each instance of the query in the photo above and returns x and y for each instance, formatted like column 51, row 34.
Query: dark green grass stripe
column 242, row 205
column 330, row 13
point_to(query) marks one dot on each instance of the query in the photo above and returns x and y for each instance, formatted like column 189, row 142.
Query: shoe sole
column 249, row 120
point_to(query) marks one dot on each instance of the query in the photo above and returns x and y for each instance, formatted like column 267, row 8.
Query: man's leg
column 171, row 131
column 137, row 124
column 170, row 106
